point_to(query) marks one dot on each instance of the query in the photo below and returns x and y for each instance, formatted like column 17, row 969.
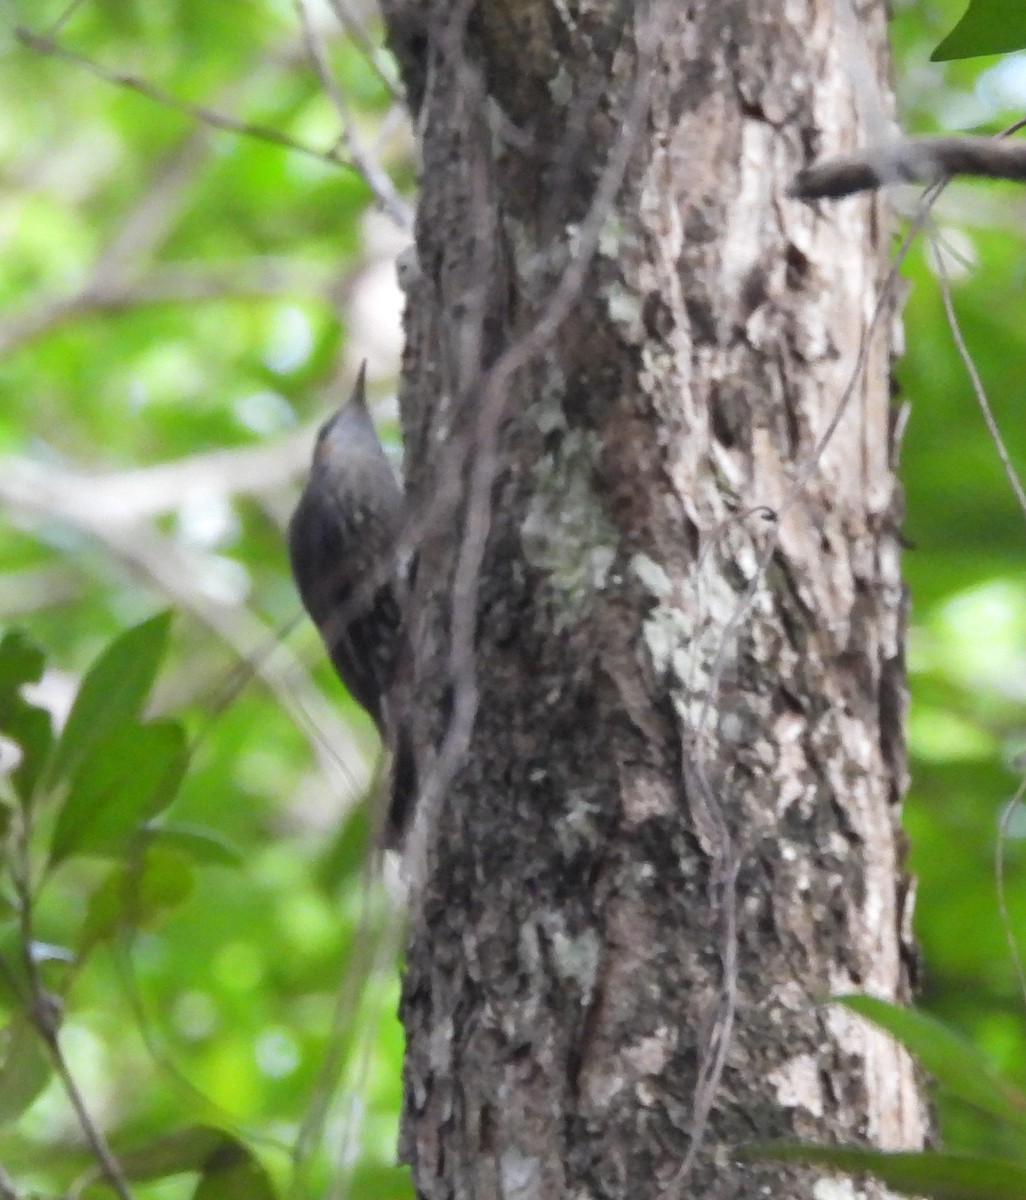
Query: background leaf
column 132, row 896
column 22, row 662
column 195, row 843
column 934, row 1175
column 25, row 1068
column 227, row 1168
column 950, row 1059
column 125, row 777
column 184, row 1150
column 113, row 691
column 176, row 303
column 234, row 1173
column 31, row 728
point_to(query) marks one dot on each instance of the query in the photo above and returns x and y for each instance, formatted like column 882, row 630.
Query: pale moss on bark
column 566, row 533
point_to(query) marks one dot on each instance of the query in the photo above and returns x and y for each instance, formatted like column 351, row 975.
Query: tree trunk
column 660, row 672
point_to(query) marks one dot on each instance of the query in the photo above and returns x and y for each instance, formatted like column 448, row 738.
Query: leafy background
column 177, row 305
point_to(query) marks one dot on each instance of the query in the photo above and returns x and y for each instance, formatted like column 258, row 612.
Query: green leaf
column 135, row 896
column 24, row 1068
column 227, row 1168
column 126, row 778
column 379, row 1181
column 197, row 843
column 937, row 1176
column 347, row 851
column 184, row 1150
column 988, row 27
column 14, row 982
column 113, row 691
column 951, row 1060
column 233, row 1172
column 21, row 662
column 30, row 727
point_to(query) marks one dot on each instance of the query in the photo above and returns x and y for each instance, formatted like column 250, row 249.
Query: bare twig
column 379, row 928
column 376, row 178
column 198, row 112
column 1014, row 806
column 351, row 23
column 165, row 284
column 910, row 160
column 126, row 498
column 979, row 391
column 43, row 1010
column 143, row 228
column 7, row 1189
column 65, row 17
column 109, row 1165
column 122, row 274
column 34, row 588
column 136, row 235
column 389, row 941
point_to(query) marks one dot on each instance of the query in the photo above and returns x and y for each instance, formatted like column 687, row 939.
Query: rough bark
column 660, row 670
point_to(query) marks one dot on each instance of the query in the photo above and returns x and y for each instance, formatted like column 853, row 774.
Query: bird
column 343, row 543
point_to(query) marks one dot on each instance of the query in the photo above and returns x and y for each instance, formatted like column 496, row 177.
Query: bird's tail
column 403, row 798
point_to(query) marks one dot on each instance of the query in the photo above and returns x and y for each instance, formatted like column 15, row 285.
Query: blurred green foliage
column 169, row 292
column 965, row 568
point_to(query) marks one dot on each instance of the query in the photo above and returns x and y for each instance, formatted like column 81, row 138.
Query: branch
column 1012, row 809
column 979, row 391
column 377, row 179
column 7, row 1191
column 208, row 116
column 145, row 225
column 351, row 23
column 925, row 160
column 109, row 1165
column 65, row 17
column 43, row 1010
column 126, row 498
column 172, row 283
column 34, row 588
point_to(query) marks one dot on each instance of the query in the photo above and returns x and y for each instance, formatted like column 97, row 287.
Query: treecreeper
column 343, row 543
